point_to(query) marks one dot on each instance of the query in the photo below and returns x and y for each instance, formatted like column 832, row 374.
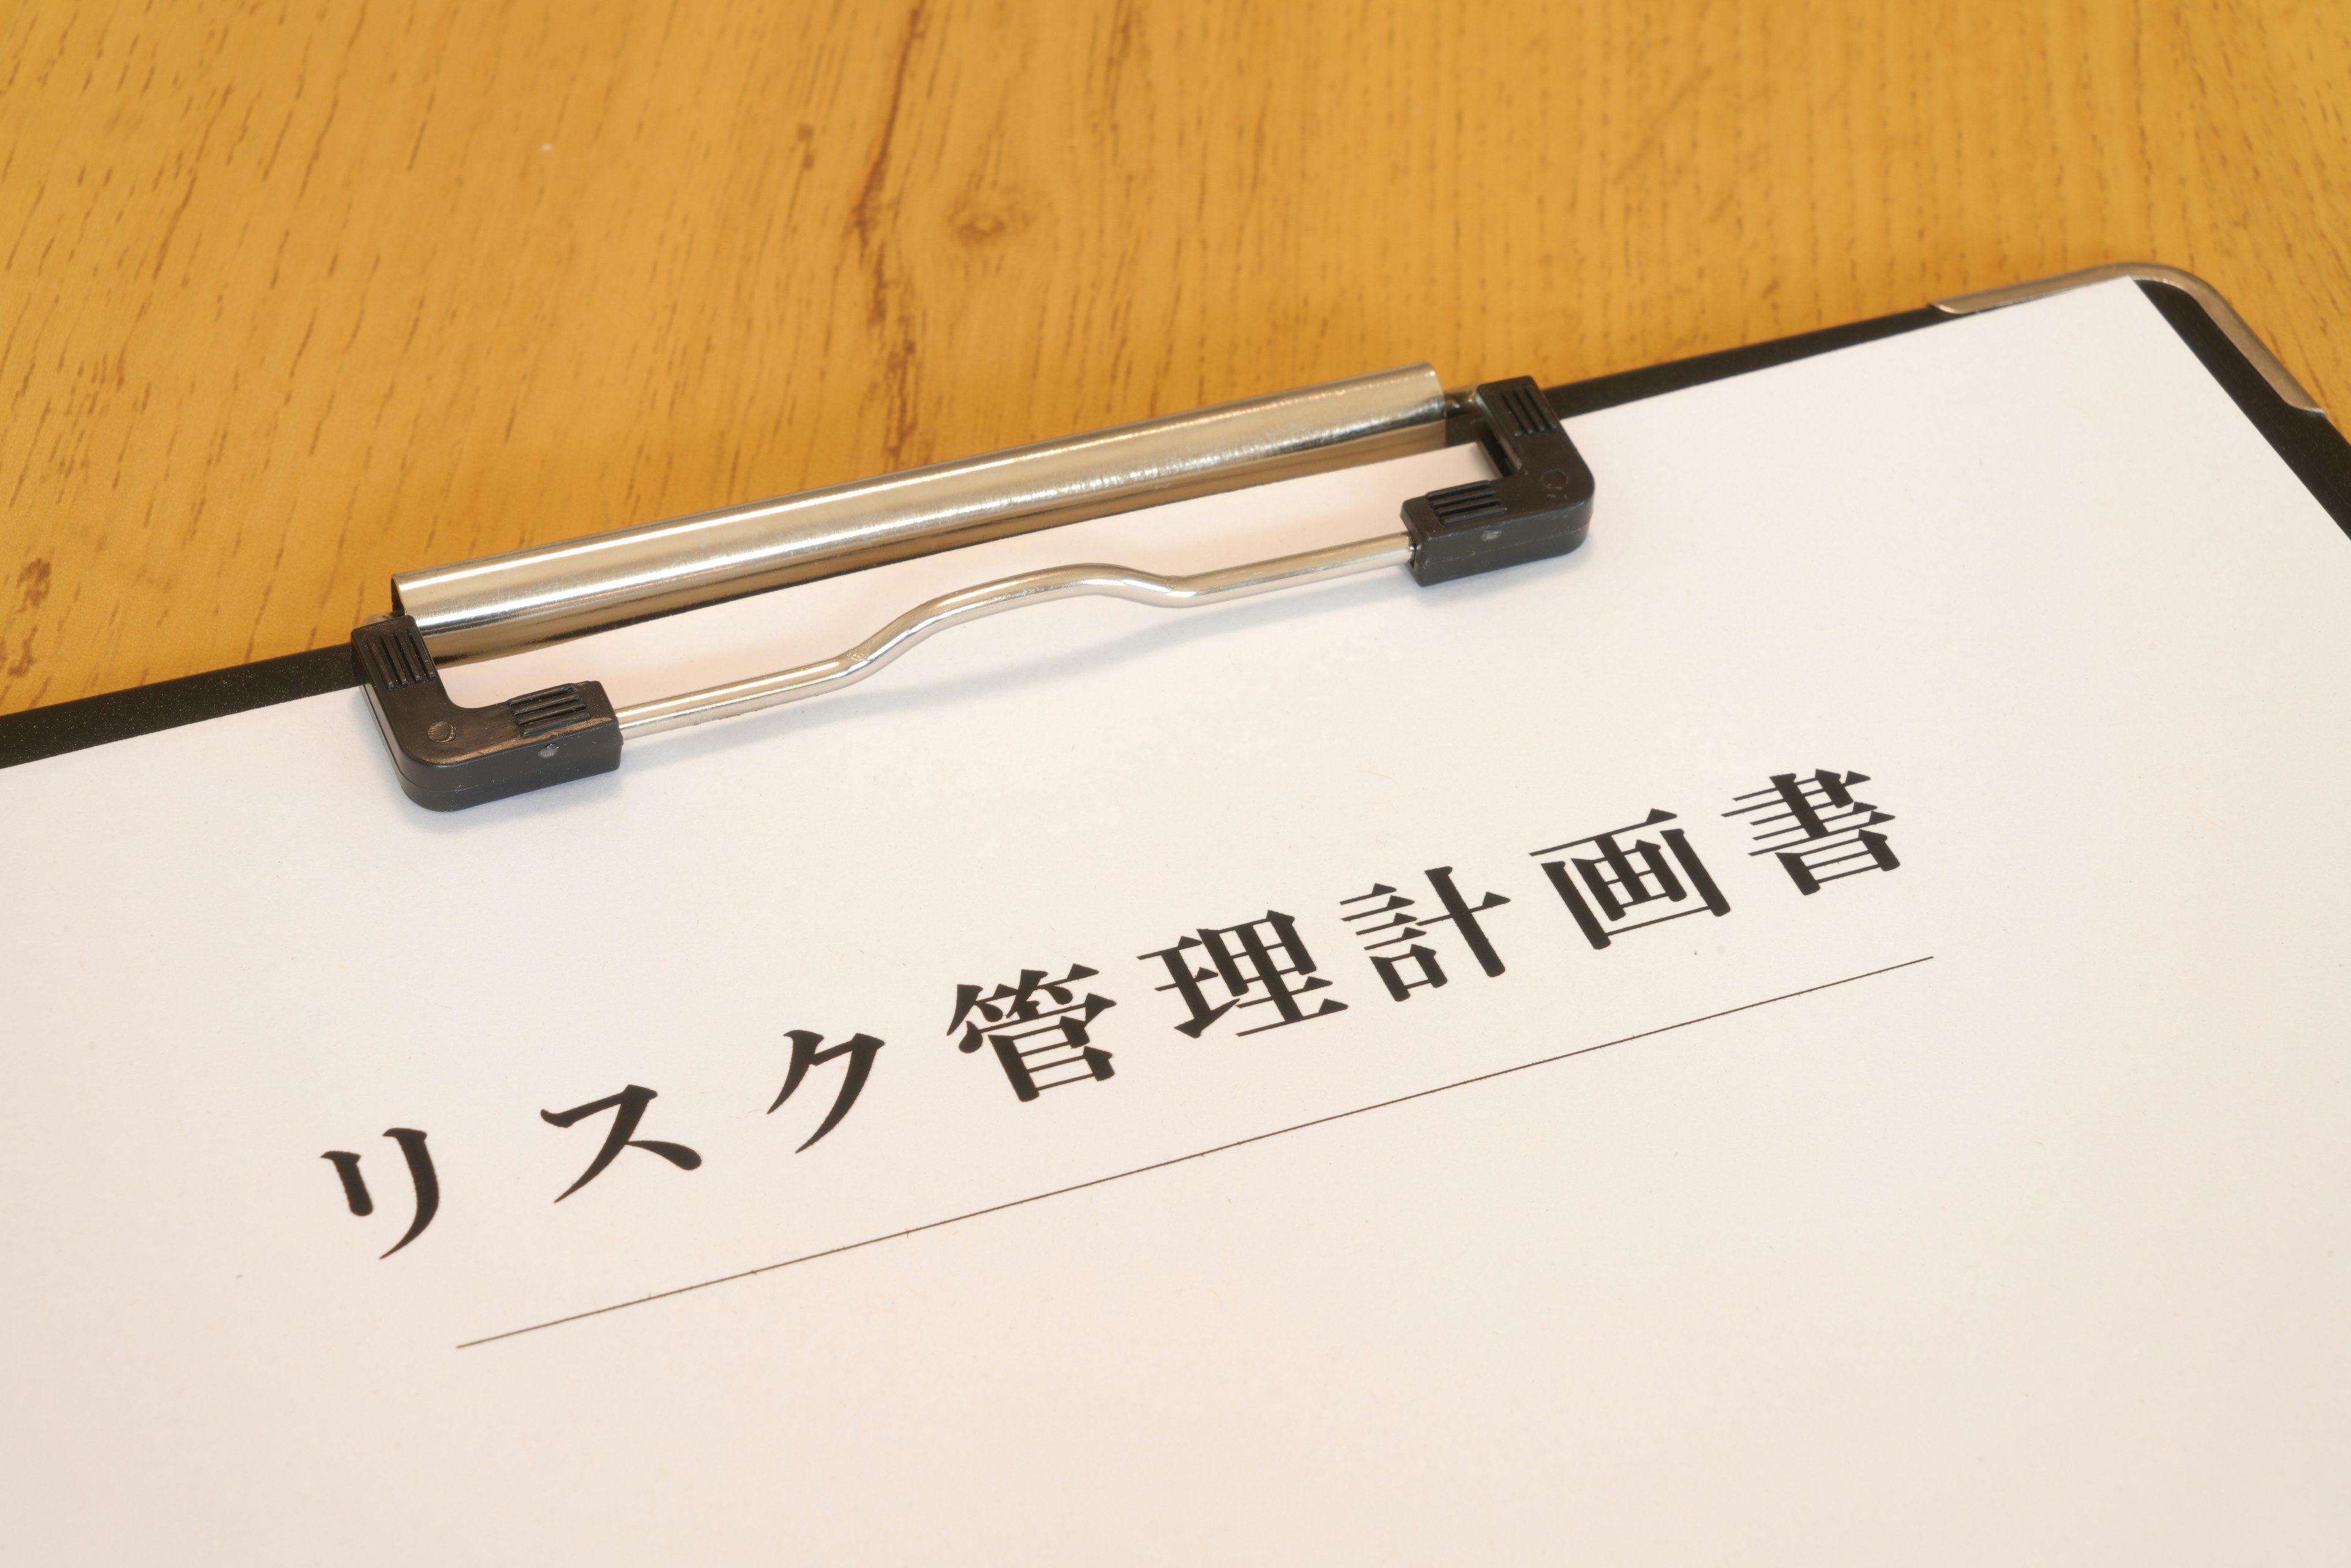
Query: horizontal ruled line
column 1182, row 1159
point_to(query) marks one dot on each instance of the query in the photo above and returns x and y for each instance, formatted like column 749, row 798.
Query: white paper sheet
column 1990, row 1206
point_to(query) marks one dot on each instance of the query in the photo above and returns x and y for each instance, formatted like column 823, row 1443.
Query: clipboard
column 1883, row 1081
column 2267, row 392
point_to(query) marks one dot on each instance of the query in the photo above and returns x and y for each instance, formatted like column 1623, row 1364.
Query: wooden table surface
column 295, row 297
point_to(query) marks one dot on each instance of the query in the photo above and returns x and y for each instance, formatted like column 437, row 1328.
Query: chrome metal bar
column 2224, row 315
column 502, row 603
column 1010, row 593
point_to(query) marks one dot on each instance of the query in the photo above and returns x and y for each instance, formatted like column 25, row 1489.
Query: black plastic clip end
column 449, row 757
column 1537, row 505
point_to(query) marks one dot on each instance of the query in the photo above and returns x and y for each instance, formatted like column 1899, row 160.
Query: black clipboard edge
column 75, row 725
column 2311, row 447
column 1653, row 380
column 2309, row 444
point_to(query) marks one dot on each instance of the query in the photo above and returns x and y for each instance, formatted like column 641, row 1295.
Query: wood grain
column 294, row 299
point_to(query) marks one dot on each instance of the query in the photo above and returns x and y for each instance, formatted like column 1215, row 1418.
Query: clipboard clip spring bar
column 449, row 757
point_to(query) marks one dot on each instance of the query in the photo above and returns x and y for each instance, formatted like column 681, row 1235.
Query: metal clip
column 1539, row 505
